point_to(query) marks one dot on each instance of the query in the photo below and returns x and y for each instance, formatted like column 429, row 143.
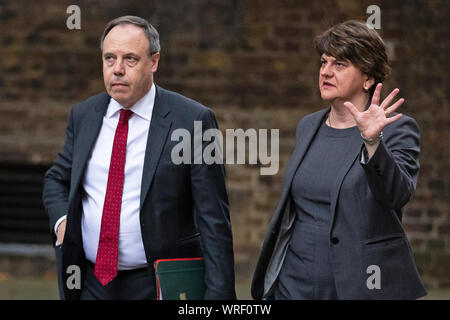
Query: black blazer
column 366, row 210
column 184, row 208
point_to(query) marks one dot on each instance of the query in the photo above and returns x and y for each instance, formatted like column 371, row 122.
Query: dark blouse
column 306, row 271
column 314, row 177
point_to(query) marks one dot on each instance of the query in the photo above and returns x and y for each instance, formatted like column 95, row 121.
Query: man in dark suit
column 115, row 199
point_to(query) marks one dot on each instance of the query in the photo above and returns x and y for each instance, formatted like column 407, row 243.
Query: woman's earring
column 366, row 89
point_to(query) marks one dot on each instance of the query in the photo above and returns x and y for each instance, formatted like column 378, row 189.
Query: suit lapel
column 159, row 128
column 89, row 130
column 351, row 154
column 305, row 137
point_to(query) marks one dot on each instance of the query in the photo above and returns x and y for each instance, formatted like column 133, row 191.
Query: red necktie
column 108, row 244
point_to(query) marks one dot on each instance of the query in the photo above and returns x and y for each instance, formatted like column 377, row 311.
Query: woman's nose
column 326, row 71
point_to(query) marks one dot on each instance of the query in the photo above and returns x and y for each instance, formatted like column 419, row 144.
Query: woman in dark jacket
column 337, row 231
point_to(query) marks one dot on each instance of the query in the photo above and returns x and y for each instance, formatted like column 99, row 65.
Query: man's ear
column 155, row 61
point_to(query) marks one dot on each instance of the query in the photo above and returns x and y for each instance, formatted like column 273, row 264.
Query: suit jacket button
column 335, row 240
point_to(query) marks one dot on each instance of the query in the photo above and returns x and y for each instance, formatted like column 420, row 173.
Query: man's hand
column 60, row 232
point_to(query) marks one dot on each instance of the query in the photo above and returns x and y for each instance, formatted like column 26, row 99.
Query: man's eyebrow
column 131, row 54
column 125, row 54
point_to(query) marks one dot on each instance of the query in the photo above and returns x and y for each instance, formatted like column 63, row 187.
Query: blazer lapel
column 305, row 137
column 352, row 153
column 159, row 128
column 89, row 131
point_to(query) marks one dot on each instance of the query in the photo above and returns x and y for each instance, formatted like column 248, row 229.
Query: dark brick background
column 253, row 63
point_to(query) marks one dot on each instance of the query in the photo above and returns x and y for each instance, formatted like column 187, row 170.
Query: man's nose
column 119, row 68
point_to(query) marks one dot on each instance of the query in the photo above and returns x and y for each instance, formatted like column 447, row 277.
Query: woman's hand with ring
column 372, row 121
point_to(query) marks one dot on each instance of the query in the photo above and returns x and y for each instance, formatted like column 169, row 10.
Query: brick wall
column 253, row 63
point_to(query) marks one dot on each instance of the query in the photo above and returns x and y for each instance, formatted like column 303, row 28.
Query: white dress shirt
column 131, row 249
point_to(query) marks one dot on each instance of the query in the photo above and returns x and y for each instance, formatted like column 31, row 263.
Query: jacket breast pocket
column 385, row 240
column 189, row 246
column 191, row 238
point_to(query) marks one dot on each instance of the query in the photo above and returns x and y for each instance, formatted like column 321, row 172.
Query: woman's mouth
column 327, row 85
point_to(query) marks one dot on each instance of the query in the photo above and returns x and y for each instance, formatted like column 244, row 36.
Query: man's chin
column 123, row 100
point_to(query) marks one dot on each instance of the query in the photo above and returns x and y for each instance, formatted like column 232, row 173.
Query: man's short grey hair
column 150, row 32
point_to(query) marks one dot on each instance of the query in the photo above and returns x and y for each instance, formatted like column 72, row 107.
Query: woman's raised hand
column 371, row 121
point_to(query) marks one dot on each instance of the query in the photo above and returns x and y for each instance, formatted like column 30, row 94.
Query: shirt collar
column 143, row 108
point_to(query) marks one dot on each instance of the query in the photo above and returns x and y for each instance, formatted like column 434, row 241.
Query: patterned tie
column 108, row 244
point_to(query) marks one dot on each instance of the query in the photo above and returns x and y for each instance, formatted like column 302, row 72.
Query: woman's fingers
column 377, row 94
column 393, row 119
column 392, row 108
column 363, row 119
column 351, row 108
column 387, row 101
